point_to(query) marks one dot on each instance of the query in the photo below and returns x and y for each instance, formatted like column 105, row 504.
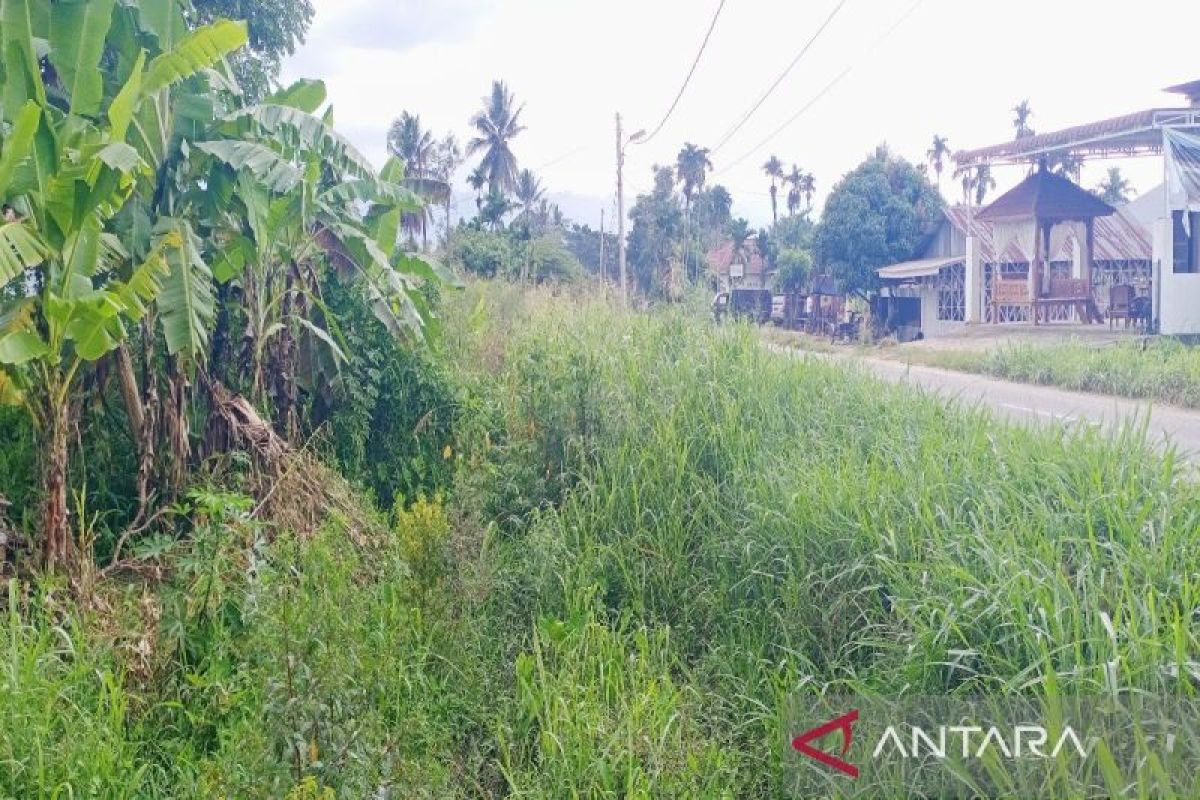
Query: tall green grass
column 773, row 527
column 662, row 536
column 1164, row 370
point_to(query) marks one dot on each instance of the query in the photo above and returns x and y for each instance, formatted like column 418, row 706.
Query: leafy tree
column 276, row 28
column 1066, row 164
column 717, row 205
column 528, row 194
column 793, row 270
column 774, row 170
column 793, row 233
column 936, row 155
column 656, row 235
column 584, row 244
column 495, row 127
column 487, row 254
column 551, row 260
column 1115, row 189
column 875, row 216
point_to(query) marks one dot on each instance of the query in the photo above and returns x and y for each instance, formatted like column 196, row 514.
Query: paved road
column 1024, row 403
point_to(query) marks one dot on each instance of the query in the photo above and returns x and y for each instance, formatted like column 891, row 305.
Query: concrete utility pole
column 621, row 142
column 602, row 275
column 621, row 212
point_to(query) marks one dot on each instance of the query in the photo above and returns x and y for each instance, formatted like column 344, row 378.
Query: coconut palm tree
column 1023, row 112
column 808, row 187
column 1068, row 165
column 794, row 179
column 447, row 159
column 936, row 156
column 407, row 141
column 494, row 209
column 528, row 191
column 495, row 127
column 774, row 170
column 477, row 180
column 739, row 233
column 691, row 169
column 1116, row 188
column 982, row 182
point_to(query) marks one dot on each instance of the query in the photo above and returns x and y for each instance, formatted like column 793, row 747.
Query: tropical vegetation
column 876, row 215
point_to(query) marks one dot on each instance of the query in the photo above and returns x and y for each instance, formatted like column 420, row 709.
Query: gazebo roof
column 1190, row 90
column 1046, row 196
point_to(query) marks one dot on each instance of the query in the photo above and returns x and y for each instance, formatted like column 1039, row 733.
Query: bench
column 1067, row 293
column 1009, row 292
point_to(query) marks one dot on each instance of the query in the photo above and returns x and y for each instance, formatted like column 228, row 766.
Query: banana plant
column 307, row 203
column 73, row 155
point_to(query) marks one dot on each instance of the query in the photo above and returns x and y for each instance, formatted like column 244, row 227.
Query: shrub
column 486, row 254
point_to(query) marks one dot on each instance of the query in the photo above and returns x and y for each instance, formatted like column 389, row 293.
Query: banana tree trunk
column 57, row 545
column 140, row 416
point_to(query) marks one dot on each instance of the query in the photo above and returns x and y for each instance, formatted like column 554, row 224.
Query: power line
column 564, row 157
column 688, row 79
column 771, row 89
column 828, row 87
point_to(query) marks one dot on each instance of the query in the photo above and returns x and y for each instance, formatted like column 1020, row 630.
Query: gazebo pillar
column 973, row 283
column 1033, row 282
column 1089, row 254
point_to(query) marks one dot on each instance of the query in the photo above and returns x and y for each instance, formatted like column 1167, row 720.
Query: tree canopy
column 275, row 27
column 875, row 216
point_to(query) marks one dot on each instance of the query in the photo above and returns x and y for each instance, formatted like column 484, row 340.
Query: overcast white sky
column 954, row 67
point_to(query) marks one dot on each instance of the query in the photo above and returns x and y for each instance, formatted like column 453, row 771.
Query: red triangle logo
column 845, row 724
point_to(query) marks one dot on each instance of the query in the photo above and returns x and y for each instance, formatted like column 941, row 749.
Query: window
column 952, row 296
column 1186, row 241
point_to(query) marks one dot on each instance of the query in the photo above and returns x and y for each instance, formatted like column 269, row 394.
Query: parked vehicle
column 750, row 304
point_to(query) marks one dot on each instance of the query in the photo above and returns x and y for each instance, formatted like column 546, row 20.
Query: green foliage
column 1165, row 370
column 876, row 215
column 65, row 715
column 18, row 462
column 633, row 583
column 395, row 413
column 656, row 237
column 276, row 27
column 509, row 254
column 794, row 270
column 584, row 244
column 743, row 570
column 485, row 254
column 551, row 260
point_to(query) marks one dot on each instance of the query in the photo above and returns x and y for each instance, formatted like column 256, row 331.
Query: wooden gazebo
column 1039, row 208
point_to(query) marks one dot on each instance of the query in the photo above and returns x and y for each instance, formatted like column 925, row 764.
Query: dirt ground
column 979, row 338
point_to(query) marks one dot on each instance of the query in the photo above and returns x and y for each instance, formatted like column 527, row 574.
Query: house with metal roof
column 746, row 269
column 929, row 294
column 1170, row 133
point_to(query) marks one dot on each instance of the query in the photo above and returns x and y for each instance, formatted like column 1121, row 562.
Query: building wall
column 1179, row 314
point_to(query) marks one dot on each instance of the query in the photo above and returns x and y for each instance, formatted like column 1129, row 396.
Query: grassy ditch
column 660, row 535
